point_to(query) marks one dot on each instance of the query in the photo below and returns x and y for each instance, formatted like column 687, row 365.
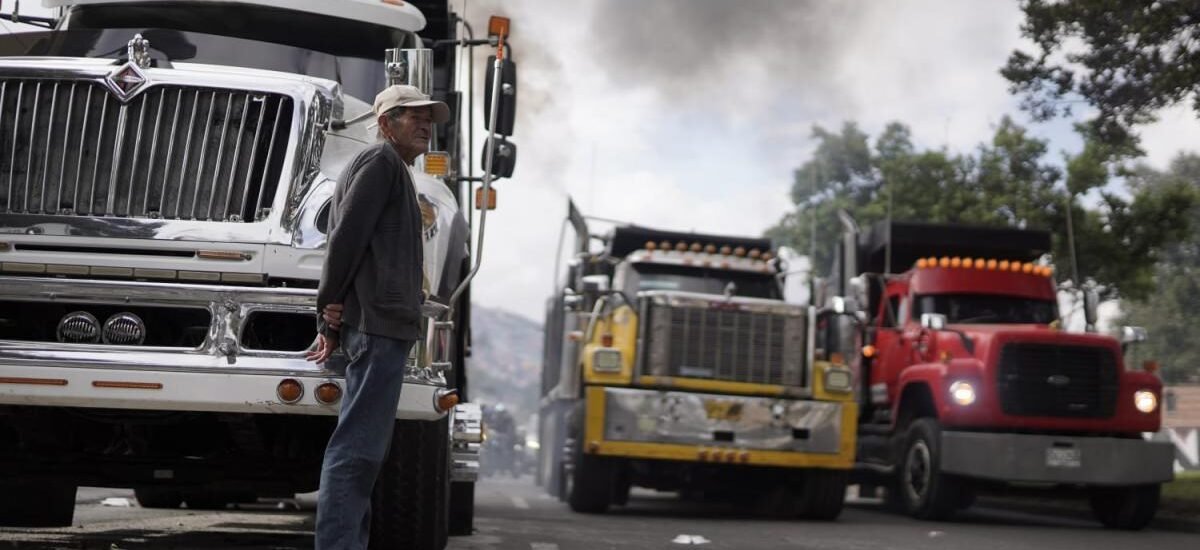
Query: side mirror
column 1133, row 335
column 1091, row 300
column 933, row 321
column 595, row 284
column 506, row 112
column 504, row 157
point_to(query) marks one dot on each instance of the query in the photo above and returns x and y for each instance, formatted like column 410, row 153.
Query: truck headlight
column 838, row 380
column 1145, row 401
column 606, row 360
column 963, row 393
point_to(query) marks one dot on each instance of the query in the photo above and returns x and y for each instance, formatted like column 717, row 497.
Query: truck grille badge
column 79, row 327
column 124, row 329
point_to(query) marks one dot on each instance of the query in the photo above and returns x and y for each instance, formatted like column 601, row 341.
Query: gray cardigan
column 373, row 258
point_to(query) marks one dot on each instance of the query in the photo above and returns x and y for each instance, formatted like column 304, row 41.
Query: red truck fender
column 924, row 388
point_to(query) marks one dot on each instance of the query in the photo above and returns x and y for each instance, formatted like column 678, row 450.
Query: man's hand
column 325, row 346
column 332, row 314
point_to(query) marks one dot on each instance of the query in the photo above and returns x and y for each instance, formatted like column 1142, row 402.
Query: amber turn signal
column 289, row 390
column 444, row 400
column 328, row 393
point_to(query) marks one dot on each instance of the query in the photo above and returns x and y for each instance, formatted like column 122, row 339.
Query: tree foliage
column 1169, row 312
column 1126, row 58
column 1007, row 181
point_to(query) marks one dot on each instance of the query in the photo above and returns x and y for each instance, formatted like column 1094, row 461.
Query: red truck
column 967, row 378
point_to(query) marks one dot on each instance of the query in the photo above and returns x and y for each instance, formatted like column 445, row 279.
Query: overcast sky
column 692, row 114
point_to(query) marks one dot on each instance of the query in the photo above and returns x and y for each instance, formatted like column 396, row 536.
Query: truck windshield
column 703, row 281
column 987, row 308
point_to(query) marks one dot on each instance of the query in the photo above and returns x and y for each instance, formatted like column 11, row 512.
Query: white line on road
column 543, row 546
column 520, row 503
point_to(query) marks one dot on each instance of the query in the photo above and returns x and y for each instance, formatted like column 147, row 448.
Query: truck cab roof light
column 739, row 252
column 665, row 245
column 680, row 246
column 697, row 247
column 710, row 249
column 650, row 246
column 726, row 250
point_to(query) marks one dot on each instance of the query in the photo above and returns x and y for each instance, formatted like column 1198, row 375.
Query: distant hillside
column 505, row 366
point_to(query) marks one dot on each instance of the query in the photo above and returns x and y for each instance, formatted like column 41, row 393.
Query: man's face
column 410, row 130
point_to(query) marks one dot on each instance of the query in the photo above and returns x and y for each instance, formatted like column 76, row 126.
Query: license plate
column 1063, row 457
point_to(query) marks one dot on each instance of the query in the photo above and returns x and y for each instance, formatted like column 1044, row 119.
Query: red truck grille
column 1057, row 380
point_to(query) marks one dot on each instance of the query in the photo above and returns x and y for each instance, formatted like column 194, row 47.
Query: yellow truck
column 672, row 362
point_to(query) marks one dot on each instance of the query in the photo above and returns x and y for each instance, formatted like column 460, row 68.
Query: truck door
column 892, row 346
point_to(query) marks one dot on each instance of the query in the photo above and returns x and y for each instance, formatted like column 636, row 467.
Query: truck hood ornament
column 129, row 78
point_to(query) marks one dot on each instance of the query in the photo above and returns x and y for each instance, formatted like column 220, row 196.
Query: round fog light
column 289, row 390
column 1145, row 401
column 78, row 327
column 963, row 393
column 328, row 393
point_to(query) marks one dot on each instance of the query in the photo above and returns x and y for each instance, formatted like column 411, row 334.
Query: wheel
column 589, row 490
column 927, row 493
column 410, row 504
column 1129, row 508
column 36, row 504
column 462, row 508
column 158, row 497
column 824, row 493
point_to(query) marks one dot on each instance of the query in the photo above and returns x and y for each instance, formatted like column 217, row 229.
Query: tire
column 590, row 487
column 158, row 497
column 410, row 504
column 462, row 508
column 824, row 494
column 1127, row 508
column 926, row 492
column 34, row 504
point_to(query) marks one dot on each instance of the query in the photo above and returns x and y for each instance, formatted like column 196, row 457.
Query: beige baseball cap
column 403, row 95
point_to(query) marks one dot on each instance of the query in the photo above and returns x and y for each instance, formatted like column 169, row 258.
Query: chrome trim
column 313, row 100
column 221, row 350
column 689, row 418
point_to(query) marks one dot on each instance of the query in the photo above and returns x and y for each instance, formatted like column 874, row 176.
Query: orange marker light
column 991, row 264
column 1027, row 268
column 944, row 262
column 739, row 252
column 1150, row 366
column 868, row 351
column 665, row 245
column 980, row 263
column 437, row 163
column 766, row 257
column 289, row 390
column 755, row 253
column 328, row 393
column 606, row 340
column 921, row 264
column 1003, row 265
column 498, row 26
column 681, row 246
column 491, row 199
column 1015, row 267
column 726, row 250
column 445, row 400
column 696, row 247
column 710, row 249
column 955, row 262
column 650, row 245
column 837, row 358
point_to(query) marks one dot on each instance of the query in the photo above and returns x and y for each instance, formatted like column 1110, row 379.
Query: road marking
column 690, row 539
column 520, row 503
column 543, row 546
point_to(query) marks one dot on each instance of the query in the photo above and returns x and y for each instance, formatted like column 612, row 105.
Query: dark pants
column 359, row 444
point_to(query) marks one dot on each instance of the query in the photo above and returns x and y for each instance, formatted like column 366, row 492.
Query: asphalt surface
column 514, row 514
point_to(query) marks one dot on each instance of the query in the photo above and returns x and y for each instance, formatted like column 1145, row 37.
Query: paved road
column 514, row 515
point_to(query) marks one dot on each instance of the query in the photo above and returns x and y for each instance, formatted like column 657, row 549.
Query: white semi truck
column 165, row 175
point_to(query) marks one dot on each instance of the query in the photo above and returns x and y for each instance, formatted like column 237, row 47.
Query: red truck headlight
column 1145, row 401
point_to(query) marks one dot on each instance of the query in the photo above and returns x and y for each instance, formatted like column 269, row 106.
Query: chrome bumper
column 753, row 423
column 466, row 437
column 218, row 376
column 1057, row 459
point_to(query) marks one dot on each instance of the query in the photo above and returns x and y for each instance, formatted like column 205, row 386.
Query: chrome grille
column 1057, row 381
column 722, row 341
column 172, row 152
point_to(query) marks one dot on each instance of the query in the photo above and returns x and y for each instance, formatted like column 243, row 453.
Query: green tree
column 1169, row 312
column 1128, row 59
column 1007, row 181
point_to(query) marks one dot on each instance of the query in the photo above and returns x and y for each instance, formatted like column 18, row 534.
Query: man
column 370, row 298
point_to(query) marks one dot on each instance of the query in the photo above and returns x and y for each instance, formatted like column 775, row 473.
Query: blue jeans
column 359, row 444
